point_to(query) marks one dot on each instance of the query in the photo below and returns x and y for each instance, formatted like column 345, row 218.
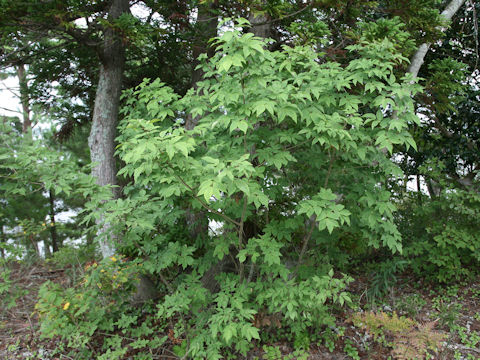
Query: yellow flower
column 43, row 224
column 66, row 306
column 113, row 258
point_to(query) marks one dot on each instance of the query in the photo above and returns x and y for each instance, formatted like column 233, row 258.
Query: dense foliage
column 253, row 186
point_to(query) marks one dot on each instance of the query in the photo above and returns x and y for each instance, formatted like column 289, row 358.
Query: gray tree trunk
column 206, row 28
column 24, row 97
column 260, row 26
column 419, row 57
column 105, row 114
column 53, row 225
column 416, row 63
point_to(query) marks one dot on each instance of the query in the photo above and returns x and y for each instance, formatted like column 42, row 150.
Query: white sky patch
column 9, row 100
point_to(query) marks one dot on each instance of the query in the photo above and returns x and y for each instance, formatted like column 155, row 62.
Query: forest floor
column 447, row 316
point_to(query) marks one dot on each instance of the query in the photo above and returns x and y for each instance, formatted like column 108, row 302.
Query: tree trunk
column 3, row 241
column 419, row 57
column 53, row 226
column 46, row 248
column 24, row 98
column 260, row 26
column 105, row 114
column 206, row 27
column 34, row 244
column 196, row 220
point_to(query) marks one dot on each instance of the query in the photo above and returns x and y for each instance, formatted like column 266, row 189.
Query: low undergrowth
column 427, row 323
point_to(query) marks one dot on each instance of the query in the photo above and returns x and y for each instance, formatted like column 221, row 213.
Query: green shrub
column 442, row 239
column 287, row 157
column 101, row 304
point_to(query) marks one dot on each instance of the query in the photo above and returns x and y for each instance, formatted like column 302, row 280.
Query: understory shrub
column 442, row 240
column 289, row 156
column 99, row 305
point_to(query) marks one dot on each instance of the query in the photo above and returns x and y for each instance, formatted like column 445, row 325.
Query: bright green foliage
column 285, row 140
column 274, row 353
column 244, row 222
column 266, row 114
column 350, row 350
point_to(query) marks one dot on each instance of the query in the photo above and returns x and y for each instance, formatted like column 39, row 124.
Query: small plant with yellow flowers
column 100, row 303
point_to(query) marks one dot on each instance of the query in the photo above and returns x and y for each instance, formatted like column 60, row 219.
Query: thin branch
column 449, row 134
column 313, row 218
column 14, row 111
column 283, row 17
column 475, row 27
column 269, row 21
column 25, row 58
column 11, row 91
column 241, row 233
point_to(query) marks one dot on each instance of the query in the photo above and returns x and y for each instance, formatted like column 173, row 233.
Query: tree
column 105, row 113
column 447, row 156
column 308, row 122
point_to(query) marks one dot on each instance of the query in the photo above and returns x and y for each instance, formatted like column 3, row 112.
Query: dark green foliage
column 31, row 171
column 383, row 278
column 442, row 239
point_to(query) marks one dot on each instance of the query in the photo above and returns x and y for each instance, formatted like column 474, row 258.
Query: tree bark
column 419, row 57
column 105, row 114
column 24, row 97
column 206, row 27
column 414, row 68
column 3, row 241
column 260, row 26
column 196, row 220
column 53, row 226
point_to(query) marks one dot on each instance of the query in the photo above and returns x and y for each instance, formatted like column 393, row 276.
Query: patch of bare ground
column 19, row 336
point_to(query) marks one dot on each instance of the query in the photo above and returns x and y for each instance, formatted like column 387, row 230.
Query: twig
column 14, row 111
column 466, row 348
column 241, row 234
column 313, row 218
column 66, row 356
column 475, row 27
column 284, row 17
